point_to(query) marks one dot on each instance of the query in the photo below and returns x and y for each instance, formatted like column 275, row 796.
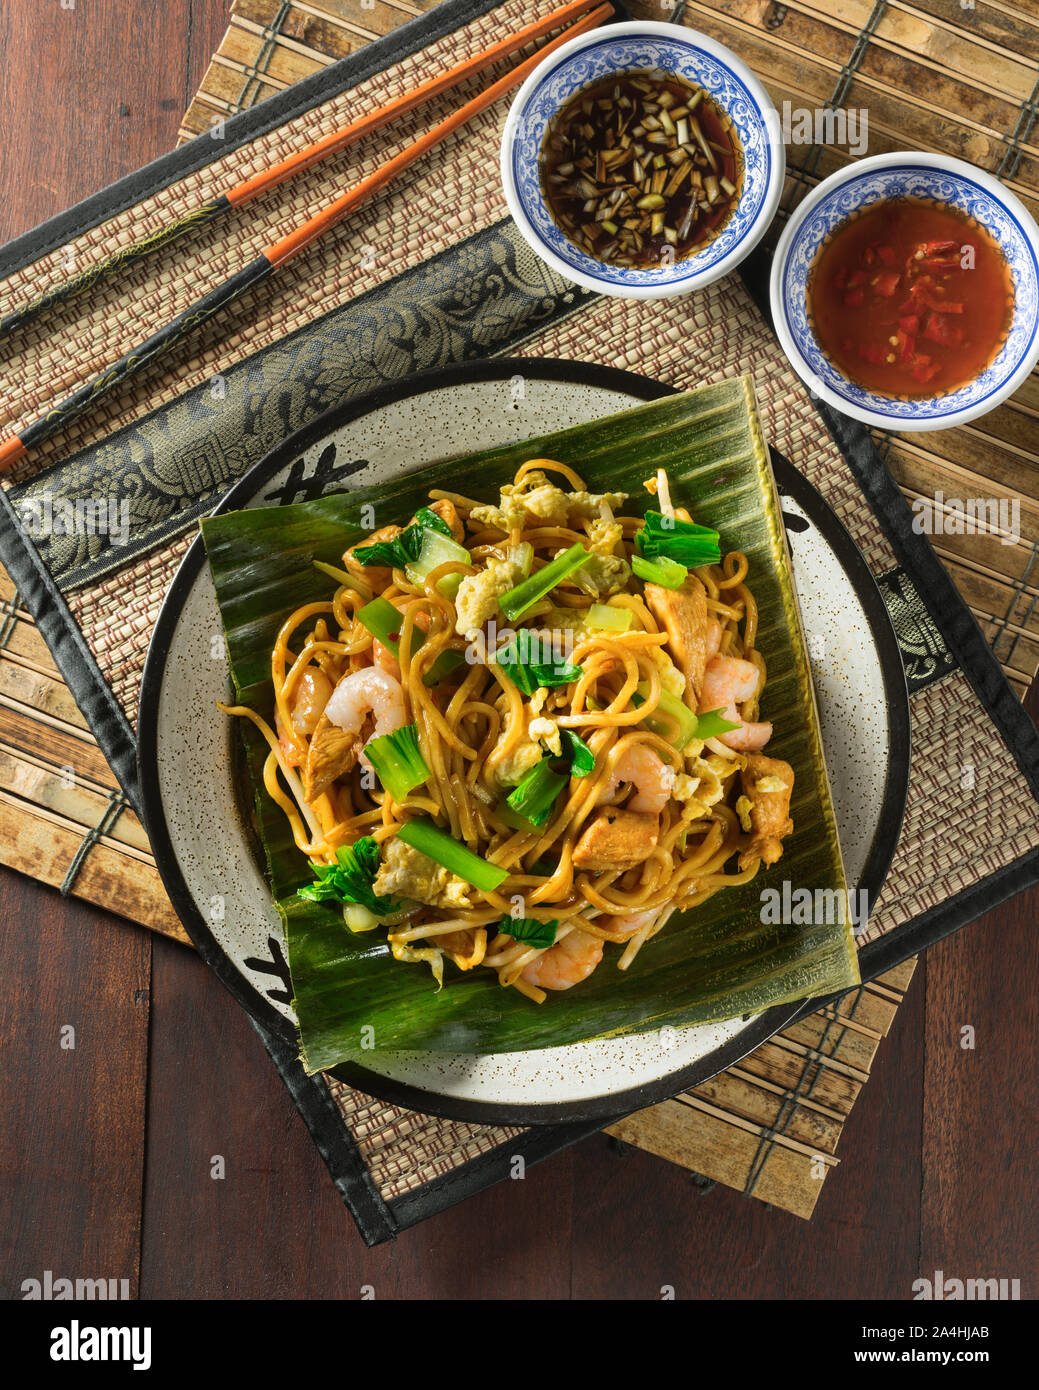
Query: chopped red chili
column 902, row 274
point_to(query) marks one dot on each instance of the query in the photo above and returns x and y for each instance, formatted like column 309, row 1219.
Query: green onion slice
column 428, row 839
column 515, row 602
column 672, row 719
column 713, row 723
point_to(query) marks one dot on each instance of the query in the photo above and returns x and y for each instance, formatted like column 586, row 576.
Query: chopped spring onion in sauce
column 515, row 602
column 398, row 761
column 437, row 844
column 669, row 574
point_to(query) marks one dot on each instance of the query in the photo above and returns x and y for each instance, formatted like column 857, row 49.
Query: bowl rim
column 944, row 164
column 695, row 39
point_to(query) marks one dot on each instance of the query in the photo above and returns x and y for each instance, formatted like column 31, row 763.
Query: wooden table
column 106, row 1150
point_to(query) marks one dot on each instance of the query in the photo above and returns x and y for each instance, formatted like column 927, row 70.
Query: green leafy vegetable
column 350, row 879
column 530, row 930
column 521, row 661
column 582, row 759
column 668, row 573
column 437, row 549
column 515, row 602
column 404, row 548
column 534, row 796
column 428, row 839
column 684, row 541
column 398, row 761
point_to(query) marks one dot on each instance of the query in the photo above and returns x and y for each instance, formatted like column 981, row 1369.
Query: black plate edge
column 382, row 1088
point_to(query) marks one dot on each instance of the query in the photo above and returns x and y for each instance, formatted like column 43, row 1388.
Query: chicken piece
column 447, row 511
column 682, row 613
column 333, row 752
column 374, row 576
column 616, row 840
column 768, row 784
column 408, row 873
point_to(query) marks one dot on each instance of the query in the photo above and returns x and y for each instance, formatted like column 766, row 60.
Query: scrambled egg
column 604, row 572
column 770, row 784
column 671, row 678
column 408, row 873
column 546, row 731
column 478, row 594
column 744, row 806
column 536, row 497
column 514, row 766
column 685, row 787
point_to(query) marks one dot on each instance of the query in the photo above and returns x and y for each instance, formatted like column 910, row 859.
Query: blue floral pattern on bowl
column 913, row 181
column 625, row 53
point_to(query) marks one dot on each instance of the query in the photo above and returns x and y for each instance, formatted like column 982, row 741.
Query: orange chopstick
column 375, row 120
column 266, row 179
column 16, row 446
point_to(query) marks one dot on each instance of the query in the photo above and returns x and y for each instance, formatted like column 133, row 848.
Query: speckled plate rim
column 611, row 1104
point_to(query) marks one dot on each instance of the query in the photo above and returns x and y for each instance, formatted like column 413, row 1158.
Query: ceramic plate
column 192, row 785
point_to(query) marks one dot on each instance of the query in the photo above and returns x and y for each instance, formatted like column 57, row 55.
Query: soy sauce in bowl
column 641, row 169
column 910, row 298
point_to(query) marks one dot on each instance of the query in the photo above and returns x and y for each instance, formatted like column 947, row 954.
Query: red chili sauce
column 910, row 298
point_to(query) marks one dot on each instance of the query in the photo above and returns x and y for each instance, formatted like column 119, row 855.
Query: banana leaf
column 717, row 961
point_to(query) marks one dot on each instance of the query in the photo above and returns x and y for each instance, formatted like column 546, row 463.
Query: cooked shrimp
column 728, row 681
column 381, row 654
column 385, row 660
column 628, row 923
column 364, row 696
column 653, row 779
column 567, row 963
column 309, row 698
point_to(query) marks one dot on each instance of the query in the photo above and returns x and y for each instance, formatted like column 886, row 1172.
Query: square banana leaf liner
column 716, row 961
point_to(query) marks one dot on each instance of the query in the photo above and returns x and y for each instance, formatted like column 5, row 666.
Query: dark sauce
column 641, row 169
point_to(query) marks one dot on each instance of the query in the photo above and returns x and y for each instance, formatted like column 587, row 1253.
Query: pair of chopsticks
column 585, row 14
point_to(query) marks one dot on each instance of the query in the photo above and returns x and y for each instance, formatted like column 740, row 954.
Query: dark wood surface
column 106, row 1150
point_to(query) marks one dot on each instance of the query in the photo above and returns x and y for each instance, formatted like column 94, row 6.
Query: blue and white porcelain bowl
column 624, row 48
column 905, row 175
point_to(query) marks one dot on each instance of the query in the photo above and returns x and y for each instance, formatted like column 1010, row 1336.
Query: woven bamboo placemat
column 771, row 1124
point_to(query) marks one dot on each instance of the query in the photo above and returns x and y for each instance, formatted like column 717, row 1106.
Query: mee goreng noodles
column 518, row 733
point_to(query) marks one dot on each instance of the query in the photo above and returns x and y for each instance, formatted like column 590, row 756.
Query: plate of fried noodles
column 484, row 739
